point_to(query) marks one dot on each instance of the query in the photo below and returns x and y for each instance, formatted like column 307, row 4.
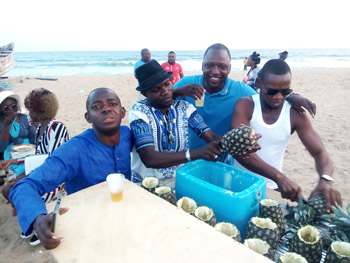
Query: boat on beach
column 7, row 58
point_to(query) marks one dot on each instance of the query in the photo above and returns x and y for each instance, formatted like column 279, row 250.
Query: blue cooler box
column 232, row 193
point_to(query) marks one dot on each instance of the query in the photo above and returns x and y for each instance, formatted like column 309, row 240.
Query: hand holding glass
column 115, row 184
column 200, row 101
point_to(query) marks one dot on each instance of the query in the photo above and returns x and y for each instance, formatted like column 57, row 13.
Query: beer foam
column 115, row 182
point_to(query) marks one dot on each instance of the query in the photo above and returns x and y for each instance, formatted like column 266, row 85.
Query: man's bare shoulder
column 246, row 102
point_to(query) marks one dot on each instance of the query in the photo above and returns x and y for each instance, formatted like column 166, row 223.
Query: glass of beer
column 200, row 101
column 115, row 184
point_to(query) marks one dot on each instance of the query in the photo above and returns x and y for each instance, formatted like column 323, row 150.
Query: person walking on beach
column 173, row 66
column 83, row 161
column 252, row 75
column 283, row 54
column 221, row 94
column 271, row 116
column 245, row 64
column 160, row 126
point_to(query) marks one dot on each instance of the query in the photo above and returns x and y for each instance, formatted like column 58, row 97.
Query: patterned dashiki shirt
column 168, row 133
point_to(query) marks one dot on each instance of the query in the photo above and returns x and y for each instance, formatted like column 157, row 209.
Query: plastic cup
column 200, row 101
column 115, row 184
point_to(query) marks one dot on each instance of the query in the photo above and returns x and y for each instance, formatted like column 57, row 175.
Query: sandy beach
column 328, row 88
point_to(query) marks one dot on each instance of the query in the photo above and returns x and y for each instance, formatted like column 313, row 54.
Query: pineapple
column 318, row 204
column 291, row 257
column 269, row 208
column 338, row 252
column 308, row 243
column 300, row 215
column 205, row 214
column 150, row 183
column 341, row 221
column 265, row 229
column 166, row 193
column 260, row 246
column 229, row 229
column 187, row 204
column 238, row 140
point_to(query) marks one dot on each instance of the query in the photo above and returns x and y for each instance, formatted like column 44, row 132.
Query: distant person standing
column 283, row 54
column 252, row 75
column 245, row 64
column 172, row 66
column 145, row 58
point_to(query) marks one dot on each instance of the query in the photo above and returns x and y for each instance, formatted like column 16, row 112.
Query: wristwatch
column 188, row 155
column 327, row 178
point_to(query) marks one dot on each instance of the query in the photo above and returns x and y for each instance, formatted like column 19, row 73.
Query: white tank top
column 274, row 140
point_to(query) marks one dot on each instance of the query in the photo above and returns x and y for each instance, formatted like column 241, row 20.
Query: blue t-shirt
column 218, row 107
column 137, row 64
column 80, row 162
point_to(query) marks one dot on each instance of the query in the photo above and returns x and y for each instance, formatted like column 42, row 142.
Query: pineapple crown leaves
column 301, row 214
column 341, row 221
column 340, row 217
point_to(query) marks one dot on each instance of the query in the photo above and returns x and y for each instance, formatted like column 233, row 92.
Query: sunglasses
column 8, row 107
column 284, row 92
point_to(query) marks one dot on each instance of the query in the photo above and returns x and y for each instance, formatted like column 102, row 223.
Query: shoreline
column 325, row 87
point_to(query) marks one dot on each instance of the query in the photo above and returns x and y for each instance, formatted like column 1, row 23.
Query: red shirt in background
column 176, row 68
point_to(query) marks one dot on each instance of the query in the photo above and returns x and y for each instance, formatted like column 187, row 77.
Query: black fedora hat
column 150, row 74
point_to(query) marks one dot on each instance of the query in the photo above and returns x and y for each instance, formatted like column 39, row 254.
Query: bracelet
column 188, row 155
column 327, row 178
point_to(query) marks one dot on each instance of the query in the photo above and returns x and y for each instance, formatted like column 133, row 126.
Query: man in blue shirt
column 145, row 58
column 83, row 161
column 221, row 92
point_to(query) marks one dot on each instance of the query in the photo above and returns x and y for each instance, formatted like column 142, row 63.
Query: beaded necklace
column 167, row 122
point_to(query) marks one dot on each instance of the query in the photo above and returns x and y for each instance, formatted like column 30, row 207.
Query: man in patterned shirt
column 160, row 127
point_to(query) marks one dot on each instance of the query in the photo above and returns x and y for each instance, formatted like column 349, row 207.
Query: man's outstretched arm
column 324, row 165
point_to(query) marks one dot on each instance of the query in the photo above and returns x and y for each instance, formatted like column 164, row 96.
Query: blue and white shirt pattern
column 150, row 127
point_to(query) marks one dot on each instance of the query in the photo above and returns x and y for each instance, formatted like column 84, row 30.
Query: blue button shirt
column 81, row 162
column 218, row 107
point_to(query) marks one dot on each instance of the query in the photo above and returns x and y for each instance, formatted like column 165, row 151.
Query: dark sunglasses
column 284, row 92
column 7, row 107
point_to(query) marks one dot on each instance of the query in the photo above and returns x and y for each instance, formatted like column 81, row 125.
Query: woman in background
column 252, row 75
column 42, row 105
column 15, row 127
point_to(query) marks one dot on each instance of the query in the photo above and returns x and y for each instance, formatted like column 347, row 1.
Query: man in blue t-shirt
column 220, row 92
column 81, row 162
column 145, row 58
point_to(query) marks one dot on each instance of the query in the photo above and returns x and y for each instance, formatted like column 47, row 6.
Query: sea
column 65, row 63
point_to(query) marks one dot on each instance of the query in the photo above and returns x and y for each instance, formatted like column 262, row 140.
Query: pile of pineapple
column 305, row 241
column 203, row 213
column 264, row 233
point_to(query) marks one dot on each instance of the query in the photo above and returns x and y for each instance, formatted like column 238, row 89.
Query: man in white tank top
column 271, row 116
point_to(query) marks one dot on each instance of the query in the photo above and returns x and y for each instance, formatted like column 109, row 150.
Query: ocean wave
column 122, row 62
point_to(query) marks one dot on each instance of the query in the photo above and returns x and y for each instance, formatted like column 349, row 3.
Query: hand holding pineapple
column 330, row 194
column 210, row 152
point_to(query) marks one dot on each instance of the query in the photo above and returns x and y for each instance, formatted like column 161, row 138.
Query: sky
column 74, row 25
